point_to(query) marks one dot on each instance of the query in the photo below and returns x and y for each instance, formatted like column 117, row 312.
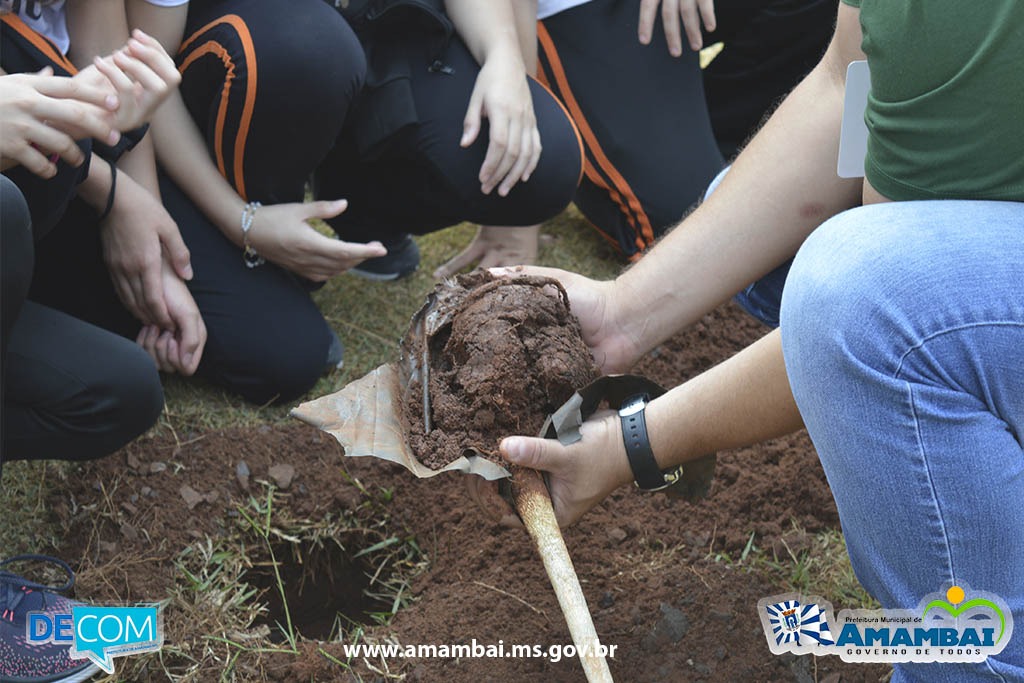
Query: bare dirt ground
column 203, row 520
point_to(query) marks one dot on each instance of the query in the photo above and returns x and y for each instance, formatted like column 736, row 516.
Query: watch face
column 633, row 405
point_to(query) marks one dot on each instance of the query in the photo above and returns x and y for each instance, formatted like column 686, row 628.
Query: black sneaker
column 402, row 259
column 335, row 354
column 21, row 662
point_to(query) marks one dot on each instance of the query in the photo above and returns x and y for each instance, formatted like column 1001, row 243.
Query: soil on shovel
column 665, row 578
column 511, row 354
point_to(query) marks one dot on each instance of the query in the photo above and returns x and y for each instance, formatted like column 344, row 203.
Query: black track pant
column 651, row 145
column 70, row 390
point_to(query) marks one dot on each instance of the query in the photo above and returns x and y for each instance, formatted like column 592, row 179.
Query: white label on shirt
column 853, row 139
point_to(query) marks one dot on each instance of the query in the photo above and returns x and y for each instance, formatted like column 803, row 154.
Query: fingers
column 535, row 159
column 511, row 147
column 148, row 50
column 190, row 343
column 471, row 122
column 77, row 90
column 645, row 28
column 76, row 120
column 34, row 161
column 529, row 452
column 324, row 209
column 149, row 339
column 691, row 23
column 144, row 77
column 522, row 160
column 707, row 12
column 670, row 12
column 499, row 128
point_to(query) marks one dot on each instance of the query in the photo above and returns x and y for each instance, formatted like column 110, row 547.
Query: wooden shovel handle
column 533, row 503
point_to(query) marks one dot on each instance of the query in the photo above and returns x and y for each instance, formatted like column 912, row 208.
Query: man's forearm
column 742, row 401
column 780, row 189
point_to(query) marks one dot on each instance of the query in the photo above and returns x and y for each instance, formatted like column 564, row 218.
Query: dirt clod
column 510, row 355
column 281, row 475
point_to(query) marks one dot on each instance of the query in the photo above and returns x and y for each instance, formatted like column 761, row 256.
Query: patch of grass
column 812, row 564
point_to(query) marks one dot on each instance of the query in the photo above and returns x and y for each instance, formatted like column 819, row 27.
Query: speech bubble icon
column 102, row 633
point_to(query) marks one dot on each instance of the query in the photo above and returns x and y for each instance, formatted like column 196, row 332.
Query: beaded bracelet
column 249, row 255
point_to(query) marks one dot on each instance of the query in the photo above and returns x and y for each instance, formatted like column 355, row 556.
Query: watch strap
column 638, row 447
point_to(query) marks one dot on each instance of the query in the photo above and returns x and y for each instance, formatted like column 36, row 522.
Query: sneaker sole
column 380, row 277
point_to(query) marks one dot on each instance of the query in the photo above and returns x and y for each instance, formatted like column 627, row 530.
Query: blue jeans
column 903, row 336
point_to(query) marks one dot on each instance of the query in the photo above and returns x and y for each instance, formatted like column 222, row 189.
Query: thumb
column 471, row 124
column 532, row 452
column 177, row 253
column 324, row 209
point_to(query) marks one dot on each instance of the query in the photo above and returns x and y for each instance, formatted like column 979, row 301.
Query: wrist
column 648, row 473
column 618, row 464
column 624, row 312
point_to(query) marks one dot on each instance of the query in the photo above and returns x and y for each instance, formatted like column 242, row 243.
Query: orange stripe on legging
column 222, row 111
column 48, row 49
column 542, row 81
column 625, row 192
column 250, row 91
column 595, row 177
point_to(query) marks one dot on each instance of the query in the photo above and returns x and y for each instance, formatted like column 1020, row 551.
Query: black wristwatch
column 646, row 474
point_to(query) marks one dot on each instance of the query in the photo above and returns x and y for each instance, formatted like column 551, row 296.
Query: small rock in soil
column 191, row 496
column 281, row 475
column 671, row 628
column 617, row 535
column 157, row 467
column 834, row 677
column 721, row 613
column 242, row 474
column 133, row 461
column 129, row 532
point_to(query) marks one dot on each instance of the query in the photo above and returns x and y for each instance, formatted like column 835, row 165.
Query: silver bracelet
column 251, row 257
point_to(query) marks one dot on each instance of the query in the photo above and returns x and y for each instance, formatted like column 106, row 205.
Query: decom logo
column 959, row 625
column 100, row 633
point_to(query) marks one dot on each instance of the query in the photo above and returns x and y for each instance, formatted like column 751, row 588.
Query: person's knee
column 17, row 251
column 833, row 303
column 128, row 402
column 312, row 56
column 271, row 369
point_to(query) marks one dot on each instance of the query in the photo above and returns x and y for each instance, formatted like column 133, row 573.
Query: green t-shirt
column 946, row 108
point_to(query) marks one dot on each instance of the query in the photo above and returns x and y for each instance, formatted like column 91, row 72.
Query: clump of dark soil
column 509, row 355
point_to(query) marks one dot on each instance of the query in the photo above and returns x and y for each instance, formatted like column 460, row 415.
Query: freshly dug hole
column 510, row 354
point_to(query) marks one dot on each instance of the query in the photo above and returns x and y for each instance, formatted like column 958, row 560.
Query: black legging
column 70, row 390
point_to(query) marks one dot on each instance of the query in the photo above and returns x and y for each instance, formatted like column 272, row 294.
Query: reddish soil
column 644, row 561
column 509, row 357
